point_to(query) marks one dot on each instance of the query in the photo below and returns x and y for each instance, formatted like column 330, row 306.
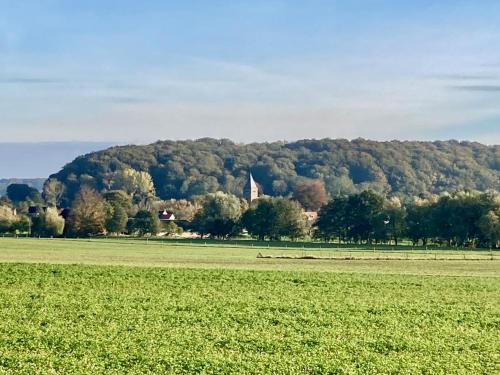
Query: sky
column 129, row 71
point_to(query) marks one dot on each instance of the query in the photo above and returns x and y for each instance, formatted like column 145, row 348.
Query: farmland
column 106, row 306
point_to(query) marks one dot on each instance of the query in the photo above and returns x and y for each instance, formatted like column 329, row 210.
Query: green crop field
column 137, row 307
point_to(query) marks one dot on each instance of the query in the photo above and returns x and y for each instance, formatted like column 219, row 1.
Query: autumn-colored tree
column 87, row 214
column 310, row 194
column 7, row 218
column 53, row 191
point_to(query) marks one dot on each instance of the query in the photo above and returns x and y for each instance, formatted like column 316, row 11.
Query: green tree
column 419, row 222
column 118, row 198
column 364, row 215
column 170, row 228
column 48, row 223
column 23, row 225
column 87, row 214
column 333, row 220
column 275, row 218
column 144, row 222
column 119, row 204
column 391, row 224
column 22, row 192
column 116, row 220
column 490, row 227
column 219, row 215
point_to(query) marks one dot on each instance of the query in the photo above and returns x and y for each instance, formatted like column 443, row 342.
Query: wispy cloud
column 477, row 88
column 31, row 80
column 128, row 99
column 465, row 77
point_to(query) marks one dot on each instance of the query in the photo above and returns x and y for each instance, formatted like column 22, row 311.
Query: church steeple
column 251, row 190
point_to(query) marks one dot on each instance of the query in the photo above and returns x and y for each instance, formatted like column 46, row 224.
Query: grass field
column 214, row 309
column 197, row 255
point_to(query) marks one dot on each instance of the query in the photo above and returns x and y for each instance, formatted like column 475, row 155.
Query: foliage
column 275, row 218
column 310, row 194
column 490, row 227
column 182, row 169
column 47, row 223
column 119, row 205
column 219, row 215
column 87, row 214
column 53, row 191
column 70, row 319
column 463, row 218
column 144, row 222
column 7, row 219
column 183, row 209
column 116, row 220
column 118, row 198
column 170, row 228
column 23, row 192
column 36, row 183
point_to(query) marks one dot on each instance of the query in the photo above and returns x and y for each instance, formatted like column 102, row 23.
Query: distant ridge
column 182, row 169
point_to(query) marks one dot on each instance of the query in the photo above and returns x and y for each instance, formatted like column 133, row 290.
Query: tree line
column 463, row 218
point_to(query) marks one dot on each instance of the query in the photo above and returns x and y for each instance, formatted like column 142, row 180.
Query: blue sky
column 138, row 71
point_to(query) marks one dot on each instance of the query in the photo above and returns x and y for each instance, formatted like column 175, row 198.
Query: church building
column 251, row 190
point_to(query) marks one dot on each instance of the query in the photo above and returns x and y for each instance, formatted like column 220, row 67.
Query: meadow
column 117, row 307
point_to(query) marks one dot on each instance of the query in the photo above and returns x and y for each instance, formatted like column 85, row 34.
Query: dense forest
column 183, row 169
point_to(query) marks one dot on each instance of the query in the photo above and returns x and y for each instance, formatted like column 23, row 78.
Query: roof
column 166, row 215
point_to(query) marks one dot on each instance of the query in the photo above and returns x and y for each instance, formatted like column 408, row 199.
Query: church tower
column 251, row 190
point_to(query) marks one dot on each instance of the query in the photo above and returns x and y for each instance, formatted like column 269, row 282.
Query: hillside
column 182, row 169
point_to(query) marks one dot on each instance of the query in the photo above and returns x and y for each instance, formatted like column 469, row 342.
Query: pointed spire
column 251, row 190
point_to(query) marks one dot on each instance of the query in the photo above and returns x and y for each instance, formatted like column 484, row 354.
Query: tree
column 87, row 214
column 7, row 219
column 391, row 224
column 310, row 194
column 490, row 227
column 22, row 192
column 22, row 225
column 116, row 220
column 219, row 215
column 119, row 204
column 170, row 228
column 118, row 198
column 53, row 191
column 144, row 222
column 47, row 223
column 419, row 222
column 275, row 218
column 333, row 220
column 133, row 182
column 364, row 215
column 183, row 209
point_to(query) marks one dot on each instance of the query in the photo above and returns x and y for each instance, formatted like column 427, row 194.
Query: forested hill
column 182, row 169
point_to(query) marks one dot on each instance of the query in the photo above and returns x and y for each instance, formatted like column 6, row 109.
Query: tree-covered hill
column 182, row 169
